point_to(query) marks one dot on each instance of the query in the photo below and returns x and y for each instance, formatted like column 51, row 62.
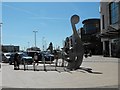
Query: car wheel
column 10, row 63
column 86, row 55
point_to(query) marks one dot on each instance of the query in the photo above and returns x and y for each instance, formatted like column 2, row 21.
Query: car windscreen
column 7, row 54
column 23, row 55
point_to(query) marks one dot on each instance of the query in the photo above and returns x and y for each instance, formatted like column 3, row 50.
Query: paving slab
column 95, row 72
column 0, row 77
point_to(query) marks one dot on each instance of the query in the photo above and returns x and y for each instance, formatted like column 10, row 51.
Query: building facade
column 90, row 35
column 10, row 48
column 110, row 27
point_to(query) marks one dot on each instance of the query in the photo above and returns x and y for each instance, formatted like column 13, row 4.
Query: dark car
column 87, row 53
column 47, row 55
column 25, row 58
column 31, row 53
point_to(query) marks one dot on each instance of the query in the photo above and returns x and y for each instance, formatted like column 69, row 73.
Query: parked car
column 25, row 57
column 22, row 56
column 88, row 54
column 31, row 53
column 5, row 57
column 47, row 55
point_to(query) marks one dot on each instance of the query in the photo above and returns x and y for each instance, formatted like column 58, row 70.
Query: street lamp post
column 28, row 44
column 43, row 46
column 1, row 28
column 35, row 36
column 0, row 43
column 0, row 32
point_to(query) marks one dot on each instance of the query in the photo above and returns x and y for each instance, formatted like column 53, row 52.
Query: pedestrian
column 90, row 53
column 16, row 61
column 36, row 58
column 67, row 46
column 63, row 58
column 56, row 57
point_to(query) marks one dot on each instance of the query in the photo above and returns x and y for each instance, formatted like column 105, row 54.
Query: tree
column 50, row 47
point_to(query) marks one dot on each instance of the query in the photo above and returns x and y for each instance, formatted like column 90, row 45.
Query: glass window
column 113, row 8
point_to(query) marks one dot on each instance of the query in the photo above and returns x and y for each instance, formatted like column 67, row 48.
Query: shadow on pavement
column 89, row 70
column 60, row 69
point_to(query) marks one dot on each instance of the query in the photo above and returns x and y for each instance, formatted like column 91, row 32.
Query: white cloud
column 20, row 9
column 50, row 18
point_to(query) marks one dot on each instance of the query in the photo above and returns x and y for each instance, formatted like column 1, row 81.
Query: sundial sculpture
column 76, row 53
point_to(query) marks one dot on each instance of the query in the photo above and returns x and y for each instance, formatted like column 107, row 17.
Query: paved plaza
column 0, row 79
column 95, row 72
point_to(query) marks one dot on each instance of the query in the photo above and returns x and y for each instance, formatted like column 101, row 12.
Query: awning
column 111, row 33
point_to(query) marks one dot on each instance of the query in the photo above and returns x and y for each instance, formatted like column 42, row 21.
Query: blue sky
column 50, row 19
